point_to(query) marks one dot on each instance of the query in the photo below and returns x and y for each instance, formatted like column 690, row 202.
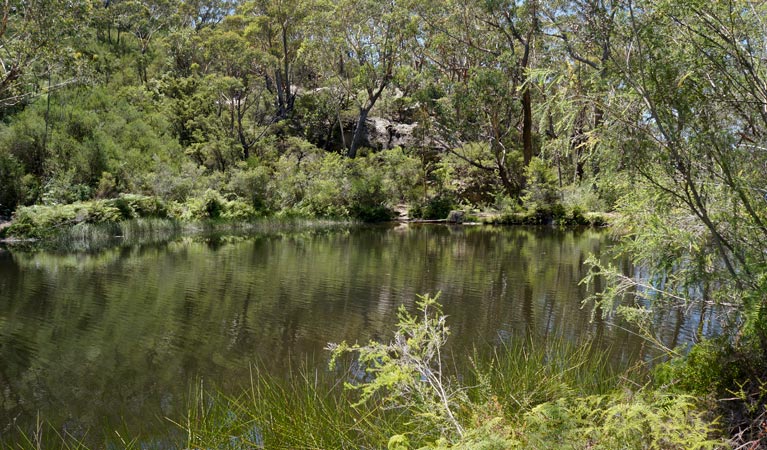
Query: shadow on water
column 112, row 339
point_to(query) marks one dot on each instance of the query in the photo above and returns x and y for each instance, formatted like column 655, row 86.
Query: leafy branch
column 408, row 372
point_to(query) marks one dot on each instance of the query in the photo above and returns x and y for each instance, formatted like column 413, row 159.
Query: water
column 114, row 340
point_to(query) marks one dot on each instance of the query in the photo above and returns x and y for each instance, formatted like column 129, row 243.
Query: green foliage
column 367, row 198
column 217, row 110
column 408, row 372
column 44, row 221
column 541, row 190
column 583, row 197
column 11, row 194
column 437, row 207
column 305, row 411
column 327, row 188
column 527, row 398
column 703, row 370
column 213, row 206
column 467, row 173
column 717, row 369
column 523, row 374
column 400, row 172
column 646, row 419
column 251, row 181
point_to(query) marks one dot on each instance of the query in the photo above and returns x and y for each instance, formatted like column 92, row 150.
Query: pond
column 115, row 339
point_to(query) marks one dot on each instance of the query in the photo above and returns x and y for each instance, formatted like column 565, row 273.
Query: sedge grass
column 523, row 373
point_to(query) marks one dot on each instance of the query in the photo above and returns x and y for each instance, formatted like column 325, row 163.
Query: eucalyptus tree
column 223, row 106
column 37, row 38
column 145, row 20
column 199, row 14
column 485, row 54
column 278, row 28
column 364, row 43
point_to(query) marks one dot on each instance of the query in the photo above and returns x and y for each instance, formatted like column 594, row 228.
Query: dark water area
column 114, row 339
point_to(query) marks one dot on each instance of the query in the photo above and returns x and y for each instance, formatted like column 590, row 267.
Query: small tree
column 408, row 372
column 541, row 190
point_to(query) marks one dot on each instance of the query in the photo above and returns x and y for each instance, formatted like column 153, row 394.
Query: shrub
column 327, row 187
column 645, row 419
column 367, row 198
column 408, row 371
column 582, row 196
column 541, row 190
column 437, row 207
column 63, row 189
column 251, row 181
column 107, row 186
column 718, row 369
column 208, row 206
column 142, row 206
column 401, row 174
column 238, row 210
column 11, row 190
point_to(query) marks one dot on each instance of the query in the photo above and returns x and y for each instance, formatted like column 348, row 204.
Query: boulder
column 384, row 134
column 455, row 216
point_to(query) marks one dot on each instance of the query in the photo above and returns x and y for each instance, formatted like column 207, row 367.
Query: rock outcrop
column 384, row 134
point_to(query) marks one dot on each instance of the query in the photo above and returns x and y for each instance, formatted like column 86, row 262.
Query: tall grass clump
column 309, row 409
column 87, row 236
column 44, row 436
column 521, row 374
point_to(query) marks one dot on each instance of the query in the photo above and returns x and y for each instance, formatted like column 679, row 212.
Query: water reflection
column 116, row 337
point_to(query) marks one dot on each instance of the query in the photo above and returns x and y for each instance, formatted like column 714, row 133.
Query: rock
column 455, row 216
column 385, row 134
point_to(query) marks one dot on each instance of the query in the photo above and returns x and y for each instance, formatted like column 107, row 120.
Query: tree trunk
column 358, row 132
column 527, row 126
column 282, row 112
column 511, row 189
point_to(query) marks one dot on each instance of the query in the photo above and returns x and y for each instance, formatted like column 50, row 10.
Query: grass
column 86, row 236
column 308, row 410
column 524, row 373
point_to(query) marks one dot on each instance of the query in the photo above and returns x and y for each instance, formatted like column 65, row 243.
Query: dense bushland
column 539, row 110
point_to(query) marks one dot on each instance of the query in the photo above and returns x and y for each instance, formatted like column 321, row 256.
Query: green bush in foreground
column 41, row 221
column 408, row 374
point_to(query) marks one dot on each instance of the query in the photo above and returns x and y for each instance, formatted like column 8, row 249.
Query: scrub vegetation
column 525, row 111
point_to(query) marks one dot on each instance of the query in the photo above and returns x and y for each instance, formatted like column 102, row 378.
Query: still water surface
column 114, row 339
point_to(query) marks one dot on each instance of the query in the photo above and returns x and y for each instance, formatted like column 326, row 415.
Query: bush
column 718, row 369
column 238, row 210
column 541, row 190
column 436, row 208
column 367, row 198
column 401, row 174
column 133, row 206
column 646, row 419
column 250, row 180
column 327, row 188
column 583, row 197
column 11, row 188
column 63, row 189
column 208, row 206
column 42, row 221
